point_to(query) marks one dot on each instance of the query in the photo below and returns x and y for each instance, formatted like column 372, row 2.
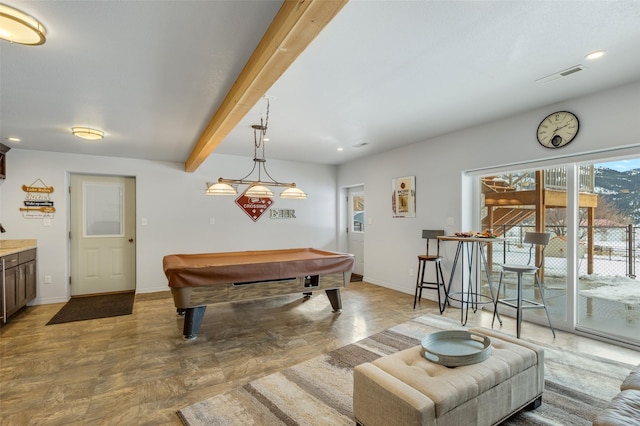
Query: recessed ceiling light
column 340, row 149
column 13, row 139
column 595, row 55
column 87, row 133
column 18, row 27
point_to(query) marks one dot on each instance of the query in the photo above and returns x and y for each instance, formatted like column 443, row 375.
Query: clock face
column 558, row 129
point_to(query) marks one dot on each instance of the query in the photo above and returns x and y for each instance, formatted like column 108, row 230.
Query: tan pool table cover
column 205, row 269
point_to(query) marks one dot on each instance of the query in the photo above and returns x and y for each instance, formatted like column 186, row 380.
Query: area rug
column 319, row 391
column 93, row 307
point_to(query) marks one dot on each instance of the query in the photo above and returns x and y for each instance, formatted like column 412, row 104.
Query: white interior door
column 355, row 239
column 102, row 234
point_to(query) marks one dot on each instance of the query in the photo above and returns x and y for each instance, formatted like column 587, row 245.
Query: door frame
column 343, row 219
column 69, row 224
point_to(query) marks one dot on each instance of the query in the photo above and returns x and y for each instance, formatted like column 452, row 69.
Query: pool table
column 198, row 280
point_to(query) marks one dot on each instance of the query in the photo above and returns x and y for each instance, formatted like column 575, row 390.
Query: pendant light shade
column 220, row 189
column 259, row 191
column 293, row 194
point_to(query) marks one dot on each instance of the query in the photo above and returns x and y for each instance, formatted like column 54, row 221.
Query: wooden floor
column 137, row 369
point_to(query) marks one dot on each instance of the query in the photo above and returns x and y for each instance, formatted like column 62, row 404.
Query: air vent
column 556, row 76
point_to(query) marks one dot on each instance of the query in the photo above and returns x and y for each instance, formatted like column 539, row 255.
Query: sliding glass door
column 513, row 204
column 608, row 296
column 592, row 212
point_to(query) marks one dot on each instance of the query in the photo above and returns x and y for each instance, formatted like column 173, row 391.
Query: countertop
column 8, row 247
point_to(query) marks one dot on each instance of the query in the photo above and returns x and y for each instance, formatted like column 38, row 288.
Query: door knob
column 130, row 240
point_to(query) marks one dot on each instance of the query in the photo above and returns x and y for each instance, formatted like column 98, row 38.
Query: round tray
column 454, row 348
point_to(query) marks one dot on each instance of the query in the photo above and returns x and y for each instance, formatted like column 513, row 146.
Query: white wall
column 178, row 213
column 608, row 120
column 176, row 209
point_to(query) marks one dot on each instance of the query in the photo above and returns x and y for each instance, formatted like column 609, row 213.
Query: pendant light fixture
column 18, row 27
column 257, row 188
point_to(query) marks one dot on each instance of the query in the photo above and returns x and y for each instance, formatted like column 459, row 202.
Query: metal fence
column 616, row 250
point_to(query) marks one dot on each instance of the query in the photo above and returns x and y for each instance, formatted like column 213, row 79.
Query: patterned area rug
column 319, row 391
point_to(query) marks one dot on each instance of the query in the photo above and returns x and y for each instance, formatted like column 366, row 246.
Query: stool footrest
column 429, row 285
column 531, row 303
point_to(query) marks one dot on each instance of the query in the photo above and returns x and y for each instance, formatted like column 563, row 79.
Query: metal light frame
column 260, row 187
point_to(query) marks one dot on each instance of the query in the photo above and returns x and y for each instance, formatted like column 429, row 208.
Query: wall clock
column 558, row 129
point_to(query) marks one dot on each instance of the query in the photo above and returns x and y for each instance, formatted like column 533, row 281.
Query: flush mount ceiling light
column 257, row 188
column 87, row 133
column 18, row 27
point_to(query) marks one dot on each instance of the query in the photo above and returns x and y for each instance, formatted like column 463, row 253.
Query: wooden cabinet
column 18, row 281
column 3, row 160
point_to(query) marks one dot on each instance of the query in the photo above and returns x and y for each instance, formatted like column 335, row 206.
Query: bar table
column 473, row 246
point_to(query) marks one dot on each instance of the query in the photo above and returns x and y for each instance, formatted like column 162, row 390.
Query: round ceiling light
column 595, row 55
column 18, row 27
column 87, row 133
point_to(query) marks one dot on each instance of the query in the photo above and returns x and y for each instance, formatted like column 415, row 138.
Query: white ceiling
column 385, row 73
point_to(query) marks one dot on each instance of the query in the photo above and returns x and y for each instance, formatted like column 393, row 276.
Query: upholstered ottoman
column 406, row 389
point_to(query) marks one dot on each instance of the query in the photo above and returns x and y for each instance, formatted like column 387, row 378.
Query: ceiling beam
column 295, row 26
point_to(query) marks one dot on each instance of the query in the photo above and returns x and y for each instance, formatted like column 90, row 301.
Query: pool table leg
column 334, row 298
column 192, row 321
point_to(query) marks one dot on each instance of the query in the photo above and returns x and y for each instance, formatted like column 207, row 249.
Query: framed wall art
column 403, row 199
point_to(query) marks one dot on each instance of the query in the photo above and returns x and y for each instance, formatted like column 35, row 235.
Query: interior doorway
column 102, row 234
column 356, row 227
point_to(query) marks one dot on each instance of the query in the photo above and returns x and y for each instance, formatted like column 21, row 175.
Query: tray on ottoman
column 454, row 348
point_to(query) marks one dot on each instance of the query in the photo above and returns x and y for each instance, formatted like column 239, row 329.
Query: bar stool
column 535, row 239
column 429, row 234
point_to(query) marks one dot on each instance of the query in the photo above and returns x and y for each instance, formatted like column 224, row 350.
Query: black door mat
column 93, row 307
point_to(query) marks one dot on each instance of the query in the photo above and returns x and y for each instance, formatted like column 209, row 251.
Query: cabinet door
column 31, row 280
column 10, row 289
column 2, row 307
column 21, row 288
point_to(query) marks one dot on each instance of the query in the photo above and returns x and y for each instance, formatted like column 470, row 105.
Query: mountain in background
column 622, row 189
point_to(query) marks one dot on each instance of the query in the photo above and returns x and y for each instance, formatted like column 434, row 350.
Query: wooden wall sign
column 37, row 201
